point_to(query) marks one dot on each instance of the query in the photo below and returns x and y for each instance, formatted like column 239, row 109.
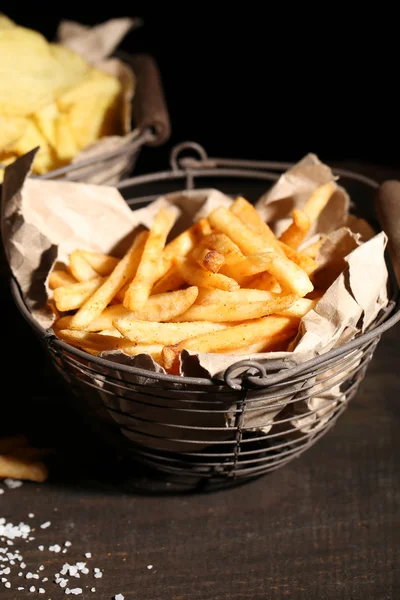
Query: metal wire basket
column 151, row 127
column 201, row 430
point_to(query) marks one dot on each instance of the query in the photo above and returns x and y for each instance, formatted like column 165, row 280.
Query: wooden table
column 324, row 527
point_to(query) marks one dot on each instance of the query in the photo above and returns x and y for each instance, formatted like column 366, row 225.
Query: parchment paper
column 42, row 221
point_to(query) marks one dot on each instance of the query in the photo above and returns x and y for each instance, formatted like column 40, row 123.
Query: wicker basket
column 178, row 425
column 151, row 127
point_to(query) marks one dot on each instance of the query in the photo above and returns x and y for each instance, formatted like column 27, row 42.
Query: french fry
column 195, row 275
column 305, row 262
column 209, row 260
column 123, row 272
column 223, row 244
column 112, row 331
column 18, row 468
column 74, row 295
column 299, row 308
column 312, row 249
column 95, row 343
column 233, row 338
column 289, row 275
column 249, row 215
column 80, row 268
column 103, row 264
column 248, row 241
column 58, row 278
column 243, row 296
column 296, row 233
column 263, row 281
column 148, row 269
column 164, row 307
column 319, row 199
column 183, row 244
column 223, row 312
column 103, row 321
column 171, row 281
column 144, row 332
column 247, row 266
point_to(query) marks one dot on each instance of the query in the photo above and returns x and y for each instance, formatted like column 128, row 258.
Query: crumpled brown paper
column 43, row 221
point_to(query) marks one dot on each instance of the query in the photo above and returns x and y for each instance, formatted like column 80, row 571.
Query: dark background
column 272, row 82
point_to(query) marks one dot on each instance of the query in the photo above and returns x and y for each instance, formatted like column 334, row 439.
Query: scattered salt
column 149, row 566
column 88, row 555
column 67, row 544
column 41, row 548
column 1, row 491
column 45, row 579
column 20, row 589
column 32, row 588
column 93, row 590
column 12, row 484
column 119, row 597
column 31, row 515
column 7, row 585
column 42, row 591
column 45, row 525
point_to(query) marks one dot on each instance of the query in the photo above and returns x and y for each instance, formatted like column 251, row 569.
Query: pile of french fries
column 225, row 285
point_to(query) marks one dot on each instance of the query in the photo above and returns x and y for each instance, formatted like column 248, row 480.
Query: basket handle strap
column 387, row 206
column 149, row 109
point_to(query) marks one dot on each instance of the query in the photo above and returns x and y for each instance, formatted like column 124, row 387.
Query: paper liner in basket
column 43, row 221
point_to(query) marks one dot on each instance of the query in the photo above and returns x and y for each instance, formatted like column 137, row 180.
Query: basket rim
column 382, row 324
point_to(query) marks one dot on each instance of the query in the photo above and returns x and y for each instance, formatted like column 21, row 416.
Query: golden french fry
column 249, row 215
column 183, row 244
column 319, row 199
column 148, row 269
column 123, row 272
column 18, row 468
column 58, row 278
column 74, row 295
column 195, row 275
column 171, row 281
column 223, row 244
column 289, row 275
column 103, row 321
column 263, row 281
column 210, row 260
column 244, row 295
column 164, row 307
column 299, row 308
column 297, row 231
column 112, row 331
column 233, row 338
column 312, row 249
column 305, row 262
column 248, row 241
column 103, row 264
column 10, row 443
column 145, row 332
column 80, row 268
column 95, row 343
column 224, row 312
column 247, row 266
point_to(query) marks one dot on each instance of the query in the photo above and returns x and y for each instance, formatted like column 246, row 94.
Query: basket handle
column 149, row 109
column 387, row 206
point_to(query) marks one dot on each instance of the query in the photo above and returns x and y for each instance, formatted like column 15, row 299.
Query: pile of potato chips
column 51, row 98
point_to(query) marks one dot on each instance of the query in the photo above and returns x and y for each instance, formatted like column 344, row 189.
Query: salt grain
column 119, row 597
column 45, row 579
column 32, row 588
column 7, row 585
column 45, row 525
column 42, row 591
column 93, row 590
column 149, row 566
column 88, row 555
column 41, row 548
column 31, row 515
column 1, row 491
column 20, row 589
column 67, row 544
column 12, row 484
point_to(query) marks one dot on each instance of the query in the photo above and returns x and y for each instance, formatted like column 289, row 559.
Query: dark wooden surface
column 324, row 527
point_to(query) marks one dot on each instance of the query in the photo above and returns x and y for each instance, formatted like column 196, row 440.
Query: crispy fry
column 80, row 268
column 195, row 275
column 224, row 312
column 103, row 264
column 171, row 281
column 95, row 343
column 233, row 338
column 223, row 244
column 263, row 281
column 248, row 241
column 123, row 272
column 74, row 295
column 296, row 233
column 319, row 199
column 243, row 296
column 164, row 307
column 148, row 269
column 18, row 468
column 299, row 308
column 312, row 249
column 183, row 244
column 112, row 331
column 305, row 262
column 209, row 260
column 103, row 321
column 58, row 278
column 145, row 332
column 247, row 266
column 289, row 275
column 249, row 215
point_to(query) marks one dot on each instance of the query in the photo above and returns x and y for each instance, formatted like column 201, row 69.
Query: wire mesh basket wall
column 251, row 419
